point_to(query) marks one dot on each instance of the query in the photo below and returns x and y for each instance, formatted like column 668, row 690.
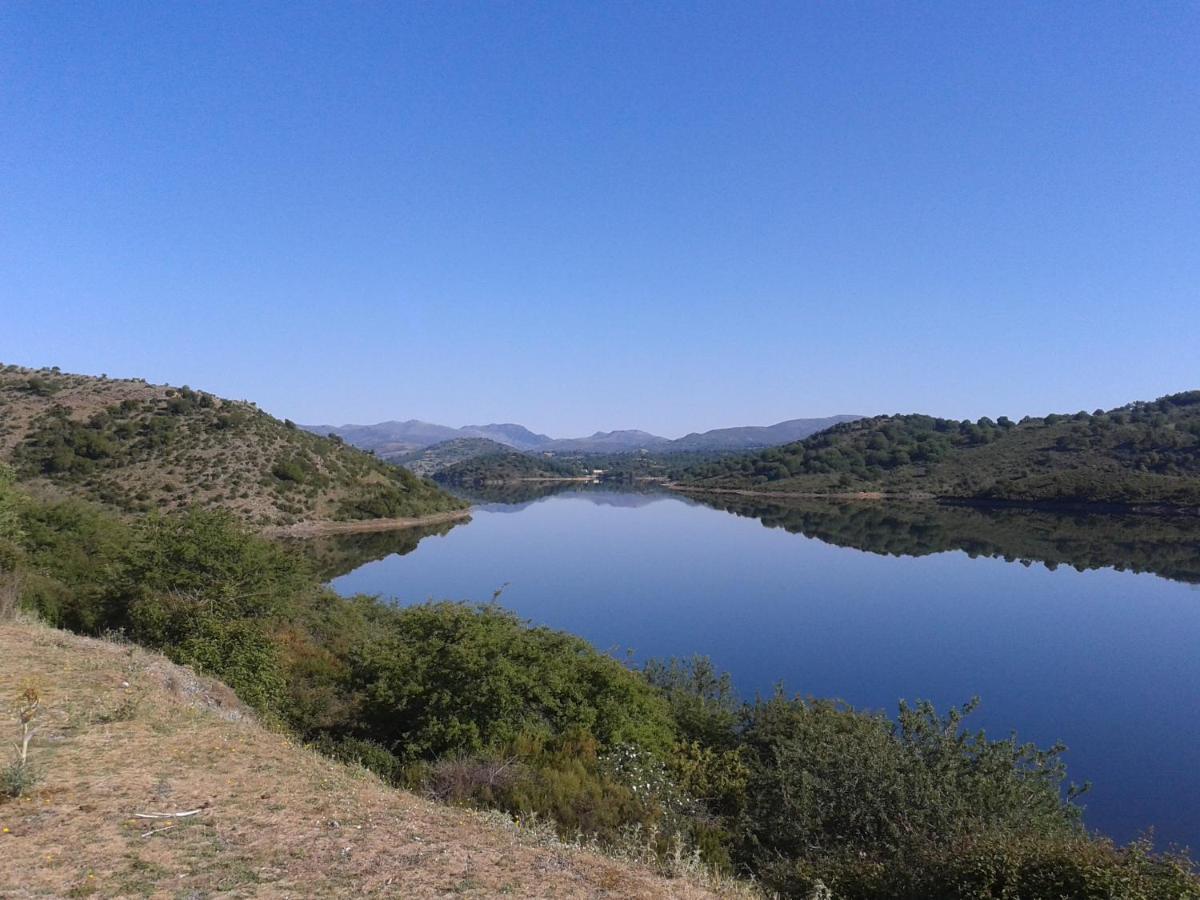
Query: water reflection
column 334, row 555
column 1103, row 660
column 1168, row 546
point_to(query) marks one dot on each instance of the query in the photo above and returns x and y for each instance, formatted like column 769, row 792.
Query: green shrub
column 293, row 469
column 855, row 800
column 994, row 867
column 445, row 678
column 367, row 754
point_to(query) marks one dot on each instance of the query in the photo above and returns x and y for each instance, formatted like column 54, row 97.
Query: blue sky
column 590, row 216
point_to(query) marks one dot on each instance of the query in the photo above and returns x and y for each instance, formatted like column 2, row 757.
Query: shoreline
column 358, row 526
column 1062, row 506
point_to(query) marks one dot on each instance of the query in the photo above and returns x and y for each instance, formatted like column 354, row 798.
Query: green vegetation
column 475, row 706
column 1143, row 454
column 20, row 775
column 505, row 465
column 498, row 465
column 429, row 461
column 137, row 448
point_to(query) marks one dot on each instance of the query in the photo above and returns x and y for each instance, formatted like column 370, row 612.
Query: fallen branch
column 147, row 834
column 171, row 815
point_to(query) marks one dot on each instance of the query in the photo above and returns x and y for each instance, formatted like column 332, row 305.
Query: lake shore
column 360, row 526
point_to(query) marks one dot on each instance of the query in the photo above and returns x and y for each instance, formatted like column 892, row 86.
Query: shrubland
column 475, row 706
column 136, row 448
column 1142, row 454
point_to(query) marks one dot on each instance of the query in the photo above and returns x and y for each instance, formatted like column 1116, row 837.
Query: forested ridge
column 1144, row 453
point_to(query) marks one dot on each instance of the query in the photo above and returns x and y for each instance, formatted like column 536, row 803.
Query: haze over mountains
column 390, row 439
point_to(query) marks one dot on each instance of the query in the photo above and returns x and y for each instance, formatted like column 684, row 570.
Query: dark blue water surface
column 1106, row 661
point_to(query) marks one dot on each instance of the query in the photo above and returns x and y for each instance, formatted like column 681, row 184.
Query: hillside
column 1145, row 453
column 432, row 459
column 122, row 732
column 138, row 447
column 754, row 436
column 505, row 466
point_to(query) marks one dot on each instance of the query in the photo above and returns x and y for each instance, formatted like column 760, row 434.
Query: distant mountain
column 398, row 441
column 389, row 439
column 516, row 436
column 755, row 436
column 609, row 442
column 392, row 440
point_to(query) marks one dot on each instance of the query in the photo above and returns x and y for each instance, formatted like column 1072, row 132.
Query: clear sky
column 670, row 216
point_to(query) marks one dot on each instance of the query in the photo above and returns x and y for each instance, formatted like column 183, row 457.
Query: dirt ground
column 124, row 732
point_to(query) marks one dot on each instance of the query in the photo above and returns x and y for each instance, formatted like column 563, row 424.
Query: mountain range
column 394, row 439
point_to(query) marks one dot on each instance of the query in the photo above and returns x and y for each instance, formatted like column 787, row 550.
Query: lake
column 869, row 603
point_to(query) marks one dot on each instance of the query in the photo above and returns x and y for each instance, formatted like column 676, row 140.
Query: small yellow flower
column 5, row 831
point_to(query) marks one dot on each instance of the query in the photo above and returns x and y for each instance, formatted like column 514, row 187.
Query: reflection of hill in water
column 1164, row 545
column 336, row 554
column 515, row 496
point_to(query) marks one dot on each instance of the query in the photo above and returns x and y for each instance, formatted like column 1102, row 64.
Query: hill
column 137, row 447
column 123, row 731
column 754, row 436
column 430, row 460
column 1141, row 454
column 398, row 440
column 505, row 466
column 388, row 439
column 395, row 439
column 626, row 441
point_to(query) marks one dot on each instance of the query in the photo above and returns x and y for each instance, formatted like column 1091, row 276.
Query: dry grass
column 124, row 731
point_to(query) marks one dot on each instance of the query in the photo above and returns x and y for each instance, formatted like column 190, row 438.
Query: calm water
column 1105, row 660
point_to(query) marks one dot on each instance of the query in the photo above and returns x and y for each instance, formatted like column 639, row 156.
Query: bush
column 446, row 678
column 18, row 778
column 996, row 867
column 860, row 803
column 293, row 470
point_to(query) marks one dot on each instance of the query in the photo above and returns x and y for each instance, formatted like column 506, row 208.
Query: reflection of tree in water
column 519, row 494
column 1168, row 546
column 509, row 493
column 333, row 555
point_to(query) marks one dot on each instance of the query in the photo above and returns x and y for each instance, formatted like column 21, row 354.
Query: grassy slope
column 1144, row 453
column 137, row 447
column 125, row 731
